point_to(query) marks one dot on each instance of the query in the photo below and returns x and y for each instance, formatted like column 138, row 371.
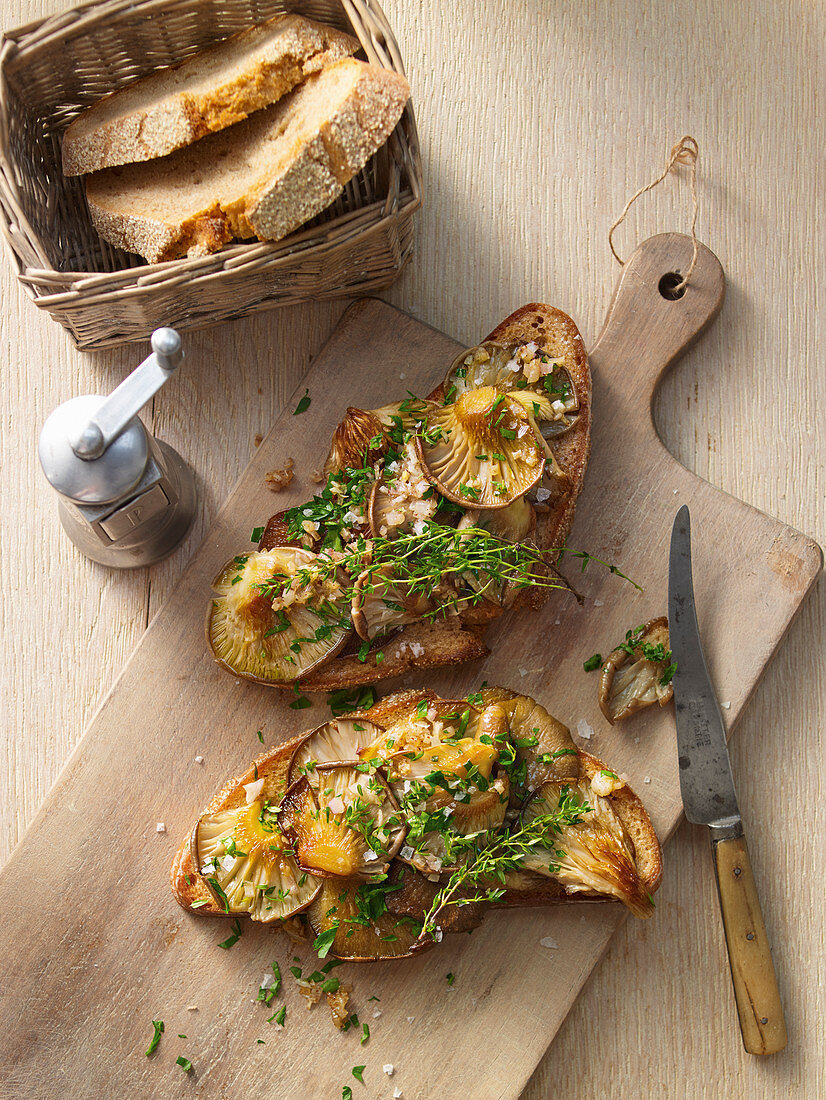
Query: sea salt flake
column 523, row 671
column 160, row 827
column 584, row 729
column 376, row 1014
column 336, row 805
column 253, row 790
column 267, row 981
column 726, row 706
column 647, row 779
column 397, row 1094
column 542, row 495
column 549, row 941
column 199, row 759
column 599, row 603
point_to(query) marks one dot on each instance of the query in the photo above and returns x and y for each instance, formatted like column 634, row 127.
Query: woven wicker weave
column 52, row 69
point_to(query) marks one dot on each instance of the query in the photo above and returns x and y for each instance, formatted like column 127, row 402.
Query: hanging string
column 686, row 151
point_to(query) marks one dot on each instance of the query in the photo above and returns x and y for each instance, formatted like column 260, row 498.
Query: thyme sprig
column 489, row 856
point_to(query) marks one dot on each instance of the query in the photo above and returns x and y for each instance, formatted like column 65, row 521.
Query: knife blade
column 710, row 798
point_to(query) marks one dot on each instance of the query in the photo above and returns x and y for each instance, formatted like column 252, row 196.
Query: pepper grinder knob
column 126, row 498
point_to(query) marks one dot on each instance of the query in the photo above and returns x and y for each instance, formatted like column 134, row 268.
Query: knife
column 709, row 798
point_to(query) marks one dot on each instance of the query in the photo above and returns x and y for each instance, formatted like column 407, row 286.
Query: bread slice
column 263, row 177
column 525, row 889
column 173, row 107
column 450, row 641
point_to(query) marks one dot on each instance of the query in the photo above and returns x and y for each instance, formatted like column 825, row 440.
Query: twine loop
column 686, row 152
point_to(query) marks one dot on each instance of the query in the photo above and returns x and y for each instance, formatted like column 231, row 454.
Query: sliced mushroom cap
column 342, row 821
column 339, row 740
column 242, row 853
column 276, row 616
column 481, row 451
column 381, row 603
column 595, row 855
column 402, row 500
column 444, row 773
column 635, row 680
column 364, row 927
column 358, row 441
column 514, row 523
column 541, row 383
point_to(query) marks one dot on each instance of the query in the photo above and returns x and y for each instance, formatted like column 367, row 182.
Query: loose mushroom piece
column 480, row 451
column 246, row 865
column 541, row 742
column 541, row 383
column 277, row 614
column 402, row 500
column 364, row 929
column 593, row 854
column 515, row 523
column 381, row 602
column 638, row 672
column 339, row 740
column 358, row 441
column 342, row 821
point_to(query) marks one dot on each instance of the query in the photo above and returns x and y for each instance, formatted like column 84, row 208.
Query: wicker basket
column 52, row 69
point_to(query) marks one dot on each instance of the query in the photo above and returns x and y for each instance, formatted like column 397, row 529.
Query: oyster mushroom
column 444, row 771
column 242, row 853
column 277, row 614
column 380, row 603
column 541, row 383
column 514, row 523
column 638, row 672
column 541, row 742
column 402, row 500
column 592, row 855
column 339, row 740
column 480, row 451
column 364, row 928
column 342, row 821
column 358, row 441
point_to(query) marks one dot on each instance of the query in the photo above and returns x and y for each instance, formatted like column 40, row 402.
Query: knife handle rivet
column 737, row 872
column 764, row 1020
column 749, row 935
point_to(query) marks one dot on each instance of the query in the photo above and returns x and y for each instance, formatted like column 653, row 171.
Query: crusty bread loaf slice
column 173, row 107
column 263, row 177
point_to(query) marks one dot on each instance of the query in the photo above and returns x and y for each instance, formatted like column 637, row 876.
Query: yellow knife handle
column 752, row 971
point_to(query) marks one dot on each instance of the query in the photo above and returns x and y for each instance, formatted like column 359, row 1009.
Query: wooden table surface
column 537, row 120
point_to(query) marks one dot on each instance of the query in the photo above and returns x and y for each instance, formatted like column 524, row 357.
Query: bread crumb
column 192, row 1008
column 310, row 990
column 160, row 827
column 338, row 1002
column 279, row 479
column 317, row 477
column 257, row 439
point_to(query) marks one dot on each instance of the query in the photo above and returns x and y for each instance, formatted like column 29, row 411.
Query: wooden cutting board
column 96, row 947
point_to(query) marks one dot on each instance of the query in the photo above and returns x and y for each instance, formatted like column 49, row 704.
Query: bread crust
column 169, row 109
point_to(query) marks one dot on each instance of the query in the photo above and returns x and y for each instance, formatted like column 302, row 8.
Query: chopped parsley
column 358, row 1071
column 184, row 1063
column 303, row 404
column 156, row 1038
column 257, row 534
column 234, row 936
column 593, row 662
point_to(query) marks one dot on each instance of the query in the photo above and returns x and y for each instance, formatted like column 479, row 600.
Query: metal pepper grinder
column 126, row 498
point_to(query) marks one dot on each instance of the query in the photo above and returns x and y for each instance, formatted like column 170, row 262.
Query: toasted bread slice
column 263, row 177
column 451, row 641
column 173, row 107
column 416, row 893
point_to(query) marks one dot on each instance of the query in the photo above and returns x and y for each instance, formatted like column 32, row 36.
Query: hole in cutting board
column 668, row 284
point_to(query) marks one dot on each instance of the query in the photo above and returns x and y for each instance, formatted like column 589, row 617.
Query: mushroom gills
column 358, row 442
column 481, row 451
column 592, row 856
column 242, row 851
column 364, row 927
column 340, row 739
column 632, row 681
column 342, row 822
column 381, row 603
column 274, row 616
